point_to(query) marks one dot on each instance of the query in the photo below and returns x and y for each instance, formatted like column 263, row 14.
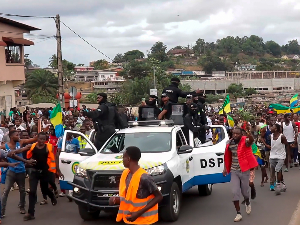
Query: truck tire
column 170, row 212
column 205, row 190
column 86, row 215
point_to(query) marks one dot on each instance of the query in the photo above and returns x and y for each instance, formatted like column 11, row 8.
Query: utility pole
column 154, row 78
column 59, row 62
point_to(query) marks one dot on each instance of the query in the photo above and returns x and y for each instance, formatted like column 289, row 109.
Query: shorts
column 277, row 164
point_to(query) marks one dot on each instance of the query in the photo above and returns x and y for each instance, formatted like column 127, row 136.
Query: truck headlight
column 157, row 170
column 81, row 172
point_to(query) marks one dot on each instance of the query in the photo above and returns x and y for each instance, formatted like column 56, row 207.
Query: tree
column 199, row 47
column 41, row 85
column 158, row 51
column 135, row 69
column 293, row 47
column 101, row 64
column 178, row 47
column 80, row 64
column 254, row 45
column 28, row 63
column 210, row 98
column 132, row 55
column 92, row 97
column 211, row 63
column 250, row 91
column 119, row 58
column 236, row 90
column 68, row 67
column 53, row 61
column 273, row 48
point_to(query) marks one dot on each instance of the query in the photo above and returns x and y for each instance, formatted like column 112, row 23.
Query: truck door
column 68, row 160
column 185, row 162
column 208, row 162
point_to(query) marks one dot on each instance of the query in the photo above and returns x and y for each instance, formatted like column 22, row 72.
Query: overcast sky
column 117, row 26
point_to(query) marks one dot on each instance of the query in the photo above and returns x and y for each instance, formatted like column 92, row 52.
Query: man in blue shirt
column 16, row 174
column 72, row 144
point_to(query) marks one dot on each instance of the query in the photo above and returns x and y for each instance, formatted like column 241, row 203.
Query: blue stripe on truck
column 205, row 179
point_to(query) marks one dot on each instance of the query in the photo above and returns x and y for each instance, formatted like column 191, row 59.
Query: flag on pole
column 230, row 121
column 226, row 106
column 56, row 120
column 294, row 100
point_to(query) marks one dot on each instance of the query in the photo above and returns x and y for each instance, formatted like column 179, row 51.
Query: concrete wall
column 222, row 85
column 7, row 96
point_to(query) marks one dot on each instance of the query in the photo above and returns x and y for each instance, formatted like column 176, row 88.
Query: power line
column 86, row 41
column 10, row 32
column 16, row 15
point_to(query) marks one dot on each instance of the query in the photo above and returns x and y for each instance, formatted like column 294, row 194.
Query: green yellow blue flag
column 294, row 100
column 226, row 106
column 56, row 120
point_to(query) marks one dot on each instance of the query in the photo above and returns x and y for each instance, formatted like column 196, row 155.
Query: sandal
column 262, row 184
column 44, row 202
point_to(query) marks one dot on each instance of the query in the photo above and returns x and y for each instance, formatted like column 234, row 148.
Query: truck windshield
column 147, row 142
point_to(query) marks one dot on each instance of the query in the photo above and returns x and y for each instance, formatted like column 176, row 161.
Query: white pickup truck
column 169, row 154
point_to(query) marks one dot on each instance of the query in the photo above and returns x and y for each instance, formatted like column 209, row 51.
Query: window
column 180, row 139
column 13, row 54
column 147, row 142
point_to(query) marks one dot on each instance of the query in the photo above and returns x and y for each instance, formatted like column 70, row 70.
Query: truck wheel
column 205, row 190
column 170, row 212
column 86, row 215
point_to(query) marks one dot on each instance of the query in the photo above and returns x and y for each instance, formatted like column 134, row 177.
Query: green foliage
column 41, row 84
column 92, row 98
column 237, row 90
column 101, row 64
column 158, row 52
column 119, row 58
column 68, row 67
column 211, row 62
column 138, row 85
column 292, row 47
column 136, row 69
column 210, row 98
column 28, row 63
column 132, row 55
column 45, row 98
column 250, row 91
column 246, row 116
column 273, row 48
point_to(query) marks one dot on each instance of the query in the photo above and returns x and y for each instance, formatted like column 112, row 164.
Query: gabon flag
column 226, row 106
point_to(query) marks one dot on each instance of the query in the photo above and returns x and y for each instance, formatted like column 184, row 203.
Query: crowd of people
column 30, row 148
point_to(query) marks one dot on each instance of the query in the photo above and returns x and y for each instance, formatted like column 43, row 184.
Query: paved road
column 212, row 210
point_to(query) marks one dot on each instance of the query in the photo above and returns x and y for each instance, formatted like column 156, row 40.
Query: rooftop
column 17, row 24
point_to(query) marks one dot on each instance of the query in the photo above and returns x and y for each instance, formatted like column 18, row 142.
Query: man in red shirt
column 238, row 160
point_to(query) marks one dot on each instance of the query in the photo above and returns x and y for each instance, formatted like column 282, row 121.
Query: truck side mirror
column 185, row 149
column 86, row 152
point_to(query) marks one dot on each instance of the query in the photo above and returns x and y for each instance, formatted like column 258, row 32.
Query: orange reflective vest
column 130, row 203
column 51, row 159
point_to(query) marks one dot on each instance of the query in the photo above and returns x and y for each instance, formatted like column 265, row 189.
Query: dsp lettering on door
column 212, row 162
